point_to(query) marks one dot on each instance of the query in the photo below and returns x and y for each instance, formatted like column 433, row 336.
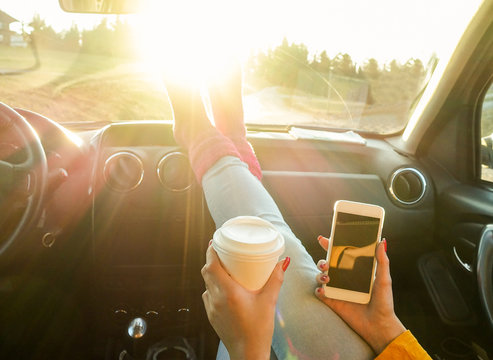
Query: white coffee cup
column 249, row 248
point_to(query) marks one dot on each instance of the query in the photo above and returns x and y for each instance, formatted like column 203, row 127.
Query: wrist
column 386, row 334
column 250, row 355
column 254, row 351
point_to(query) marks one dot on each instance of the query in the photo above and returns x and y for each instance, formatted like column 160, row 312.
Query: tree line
column 104, row 39
column 289, row 65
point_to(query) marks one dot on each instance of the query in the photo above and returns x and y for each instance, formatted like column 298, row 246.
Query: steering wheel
column 484, row 269
column 25, row 181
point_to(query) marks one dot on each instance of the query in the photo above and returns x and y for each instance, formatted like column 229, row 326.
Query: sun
column 191, row 41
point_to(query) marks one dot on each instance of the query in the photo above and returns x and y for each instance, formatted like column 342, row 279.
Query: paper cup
column 249, row 248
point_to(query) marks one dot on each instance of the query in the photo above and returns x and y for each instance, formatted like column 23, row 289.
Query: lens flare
column 191, row 41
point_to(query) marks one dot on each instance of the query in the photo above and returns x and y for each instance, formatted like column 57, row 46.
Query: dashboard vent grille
column 123, row 171
column 174, row 172
column 407, row 186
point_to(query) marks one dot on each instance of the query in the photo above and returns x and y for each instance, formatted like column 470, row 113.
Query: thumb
column 273, row 285
column 383, row 268
column 324, row 242
column 383, row 281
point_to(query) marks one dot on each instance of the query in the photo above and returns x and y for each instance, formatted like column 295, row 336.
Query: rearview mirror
column 103, row 6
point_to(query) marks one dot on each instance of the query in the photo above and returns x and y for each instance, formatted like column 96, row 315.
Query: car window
column 487, row 136
column 347, row 65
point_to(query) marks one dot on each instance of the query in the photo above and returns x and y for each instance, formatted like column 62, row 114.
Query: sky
column 383, row 29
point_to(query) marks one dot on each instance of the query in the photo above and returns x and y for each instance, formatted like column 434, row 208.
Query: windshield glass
column 351, row 64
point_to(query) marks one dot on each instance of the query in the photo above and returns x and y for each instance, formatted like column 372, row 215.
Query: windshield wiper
column 268, row 127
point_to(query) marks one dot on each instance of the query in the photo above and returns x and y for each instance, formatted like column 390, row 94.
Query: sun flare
column 193, row 41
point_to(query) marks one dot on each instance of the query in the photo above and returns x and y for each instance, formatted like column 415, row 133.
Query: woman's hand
column 244, row 320
column 376, row 321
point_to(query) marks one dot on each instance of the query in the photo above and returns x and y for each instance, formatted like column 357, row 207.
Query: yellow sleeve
column 404, row 347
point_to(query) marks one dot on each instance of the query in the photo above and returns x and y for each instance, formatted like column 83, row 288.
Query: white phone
column 356, row 231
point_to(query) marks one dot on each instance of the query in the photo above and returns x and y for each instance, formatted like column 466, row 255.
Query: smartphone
column 356, row 231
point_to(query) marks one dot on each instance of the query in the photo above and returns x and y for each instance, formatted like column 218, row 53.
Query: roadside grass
column 373, row 105
column 73, row 87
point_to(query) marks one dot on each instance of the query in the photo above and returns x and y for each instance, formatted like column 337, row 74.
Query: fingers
column 322, row 265
column 213, row 267
column 210, row 304
column 322, row 278
column 323, row 241
column 273, row 285
column 215, row 277
column 320, row 293
column 383, row 265
column 383, row 280
column 206, row 299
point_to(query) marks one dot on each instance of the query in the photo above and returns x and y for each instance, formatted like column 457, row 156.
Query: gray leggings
column 305, row 328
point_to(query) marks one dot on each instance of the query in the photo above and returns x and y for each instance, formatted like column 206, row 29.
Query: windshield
column 352, row 64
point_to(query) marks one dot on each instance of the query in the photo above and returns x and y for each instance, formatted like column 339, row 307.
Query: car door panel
column 460, row 290
column 462, row 213
column 484, row 268
column 307, row 177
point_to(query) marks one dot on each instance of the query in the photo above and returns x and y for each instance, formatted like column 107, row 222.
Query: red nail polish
column 319, row 237
column 385, row 244
column 323, row 277
column 210, row 243
column 320, row 290
column 285, row 264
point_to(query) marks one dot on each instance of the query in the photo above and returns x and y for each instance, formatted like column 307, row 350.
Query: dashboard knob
column 48, row 239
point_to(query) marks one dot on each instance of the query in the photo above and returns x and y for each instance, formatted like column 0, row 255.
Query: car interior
column 104, row 228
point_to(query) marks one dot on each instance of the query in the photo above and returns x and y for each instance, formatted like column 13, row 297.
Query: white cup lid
column 248, row 236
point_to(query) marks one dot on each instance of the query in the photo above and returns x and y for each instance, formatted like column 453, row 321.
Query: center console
column 150, row 230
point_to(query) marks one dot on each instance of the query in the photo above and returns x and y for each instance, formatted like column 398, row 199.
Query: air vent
column 123, row 171
column 407, row 186
column 174, row 172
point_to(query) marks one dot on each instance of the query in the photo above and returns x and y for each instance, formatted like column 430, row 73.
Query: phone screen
column 353, row 252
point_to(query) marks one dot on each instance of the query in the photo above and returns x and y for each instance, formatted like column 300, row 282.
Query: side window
column 487, row 137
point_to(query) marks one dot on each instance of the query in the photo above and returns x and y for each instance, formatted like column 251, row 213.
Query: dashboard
column 134, row 188
column 124, row 208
